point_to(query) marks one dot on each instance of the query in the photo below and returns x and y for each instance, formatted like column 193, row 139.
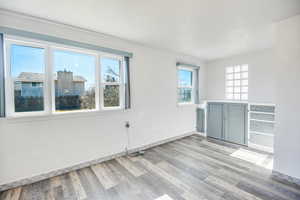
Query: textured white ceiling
column 208, row 29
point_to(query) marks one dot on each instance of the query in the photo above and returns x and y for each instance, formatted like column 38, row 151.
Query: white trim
column 71, row 50
column 262, row 133
column 259, row 120
column 265, row 113
column 10, row 100
column 193, row 70
column 120, row 83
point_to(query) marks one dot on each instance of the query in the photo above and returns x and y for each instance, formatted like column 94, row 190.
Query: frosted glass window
column 237, row 82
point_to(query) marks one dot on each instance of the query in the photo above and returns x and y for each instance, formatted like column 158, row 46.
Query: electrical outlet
column 127, row 125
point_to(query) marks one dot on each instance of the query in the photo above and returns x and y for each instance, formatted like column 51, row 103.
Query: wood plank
column 129, row 165
column 13, row 194
column 79, row 190
column 173, row 180
column 230, row 188
column 104, row 175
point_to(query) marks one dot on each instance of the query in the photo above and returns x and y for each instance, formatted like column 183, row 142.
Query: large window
column 27, row 78
column 74, row 81
column 185, row 89
column 48, row 78
column 237, row 82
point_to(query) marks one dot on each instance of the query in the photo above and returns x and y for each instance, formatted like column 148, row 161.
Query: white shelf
column 261, row 133
column 257, row 112
column 259, row 120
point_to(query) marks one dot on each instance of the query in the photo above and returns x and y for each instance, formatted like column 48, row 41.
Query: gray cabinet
column 215, row 120
column 227, row 121
column 200, row 120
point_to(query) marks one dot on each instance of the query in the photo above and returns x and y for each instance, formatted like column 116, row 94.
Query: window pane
column 237, row 96
column 229, row 76
column 237, row 83
column 237, row 68
column 244, row 68
column 185, row 77
column 237, row 76
column 184, row 95
column 245, row 89
column 229, row 90
column 110, row 70
column 244, row 82
column 229, row 83
column 229, row 69
column 111, row 95
column 245, row 75
column 74, row 81
column 27, row 70
column 229, row 96
column 237, row 89
column 244, row 97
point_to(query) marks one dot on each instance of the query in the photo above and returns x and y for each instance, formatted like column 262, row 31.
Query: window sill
column 66, row 115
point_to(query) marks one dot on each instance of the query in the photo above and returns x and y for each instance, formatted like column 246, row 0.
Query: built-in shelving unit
column 261, row 126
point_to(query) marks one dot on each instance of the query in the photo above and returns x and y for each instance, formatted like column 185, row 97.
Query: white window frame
column 234, row 79
column 9, row 86
column 49, row 87
column 120, row 83
column 192, row 87
column 79, row 51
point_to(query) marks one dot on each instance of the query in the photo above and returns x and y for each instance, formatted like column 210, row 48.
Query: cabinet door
column 215, row 120
column 236, row 123
column 200, row 120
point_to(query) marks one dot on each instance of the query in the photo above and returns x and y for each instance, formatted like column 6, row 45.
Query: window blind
column 2, row 87
column 127, row 83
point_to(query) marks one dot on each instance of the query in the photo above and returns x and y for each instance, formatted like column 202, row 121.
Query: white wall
column 287, row 140
column 261, row 76
column 32, row 146
column 274, row 77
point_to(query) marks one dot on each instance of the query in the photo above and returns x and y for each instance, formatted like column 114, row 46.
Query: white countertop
column 225, row 101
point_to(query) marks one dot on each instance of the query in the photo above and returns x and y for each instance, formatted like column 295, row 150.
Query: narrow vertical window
column 237, row 82
column 27, row 67
column 111, row 82
column 185, row 85
column 74, row 81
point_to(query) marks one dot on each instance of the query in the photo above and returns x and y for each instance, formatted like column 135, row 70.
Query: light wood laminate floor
column 192, row 168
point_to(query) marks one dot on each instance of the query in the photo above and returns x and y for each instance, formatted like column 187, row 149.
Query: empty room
column 149, row 100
